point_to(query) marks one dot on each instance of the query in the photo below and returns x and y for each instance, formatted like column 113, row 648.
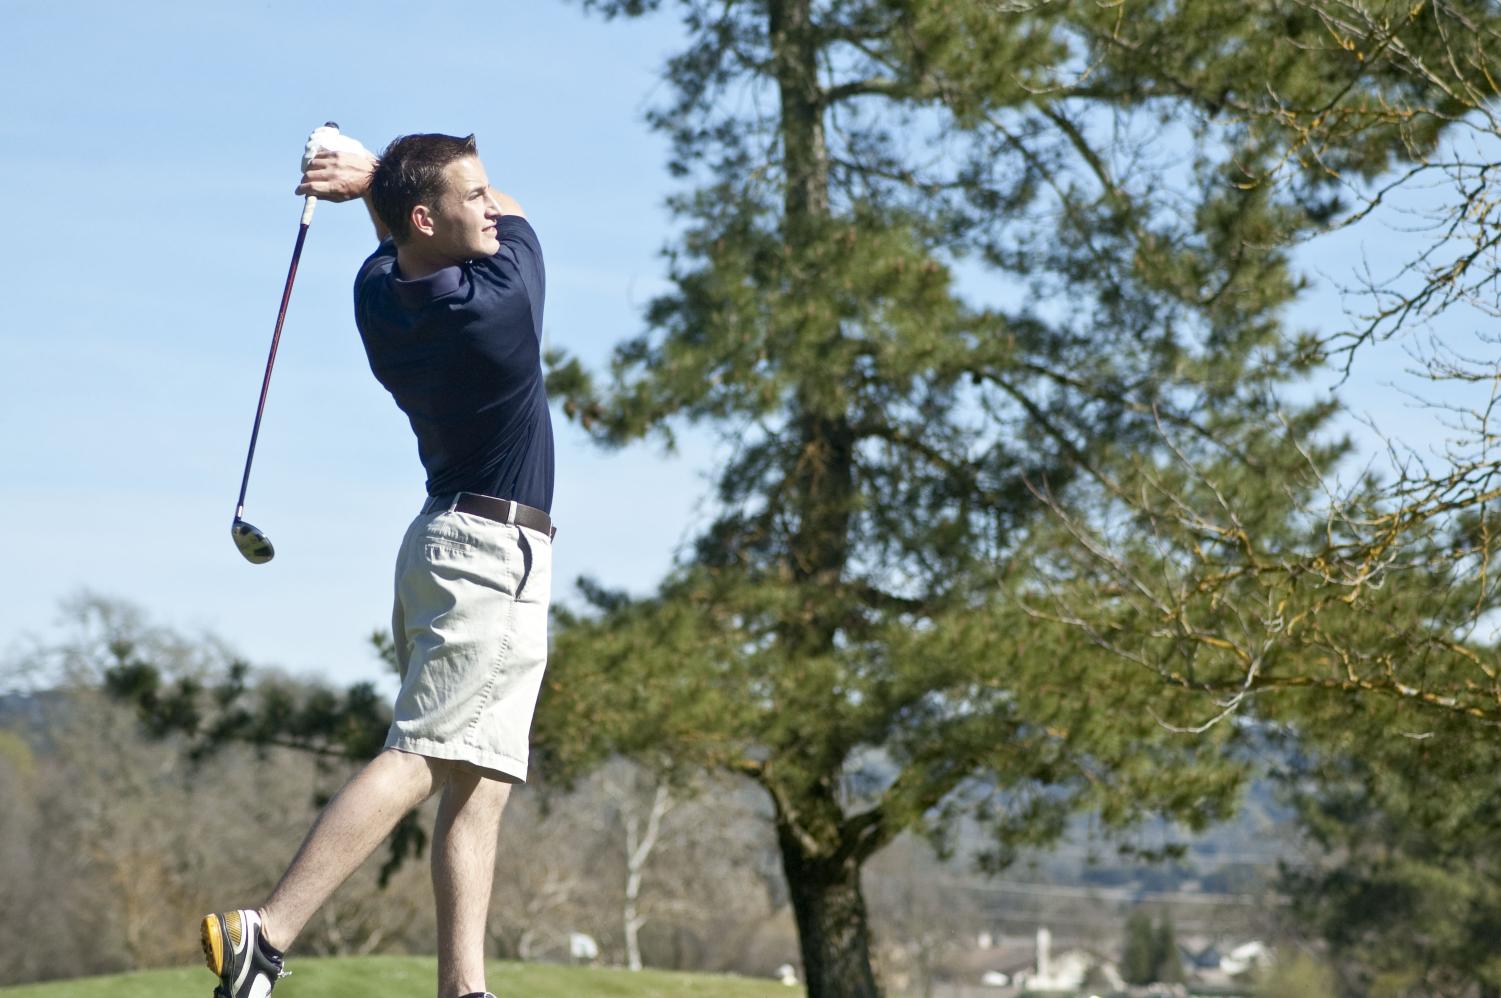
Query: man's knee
column 465, row 785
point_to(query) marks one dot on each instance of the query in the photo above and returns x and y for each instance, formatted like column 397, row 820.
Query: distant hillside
column 1233, row 857
column 1223, row 886
column 21, row 709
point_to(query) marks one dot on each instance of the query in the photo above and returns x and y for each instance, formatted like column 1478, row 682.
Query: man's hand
column 335, row 167
column 508, row 205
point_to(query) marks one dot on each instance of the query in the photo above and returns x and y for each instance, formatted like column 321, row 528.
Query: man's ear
column 422, row 220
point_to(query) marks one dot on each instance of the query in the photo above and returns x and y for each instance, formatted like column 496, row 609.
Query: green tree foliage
column 938, row 257
column 1401, row 810
column 1371, row 590
column 1379, row 594
column 1169, row 962
column 1297, row 975
column 1139, row 952
column 1150, row 952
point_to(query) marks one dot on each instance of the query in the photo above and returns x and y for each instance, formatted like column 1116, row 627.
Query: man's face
column 465, row 217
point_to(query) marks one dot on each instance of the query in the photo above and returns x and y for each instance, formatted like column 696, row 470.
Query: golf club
column 252, row 541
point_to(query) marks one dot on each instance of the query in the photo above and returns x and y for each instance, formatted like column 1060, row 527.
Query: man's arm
column 343, row 176
column 508, row 204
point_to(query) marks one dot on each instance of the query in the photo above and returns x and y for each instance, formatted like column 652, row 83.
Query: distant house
column 1222, row 965
column 1246, row 957
column 993, row 962
column 1016, row 966
column 1066, row 970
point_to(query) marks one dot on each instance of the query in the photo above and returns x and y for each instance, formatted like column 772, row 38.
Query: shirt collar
column 421, row 290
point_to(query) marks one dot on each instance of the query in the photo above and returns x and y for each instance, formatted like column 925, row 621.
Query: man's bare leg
column 463, row 870
column 357, row 820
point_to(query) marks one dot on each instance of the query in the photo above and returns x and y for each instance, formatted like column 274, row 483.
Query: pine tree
column 1169, row 964
column 1400, row 807
column 1150, row 952
column 1139, row 955
column 852, row 632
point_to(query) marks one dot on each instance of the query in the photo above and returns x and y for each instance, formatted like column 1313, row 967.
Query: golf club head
column 254, row 545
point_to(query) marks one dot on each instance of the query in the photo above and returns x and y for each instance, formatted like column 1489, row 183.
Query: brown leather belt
column 499, row 510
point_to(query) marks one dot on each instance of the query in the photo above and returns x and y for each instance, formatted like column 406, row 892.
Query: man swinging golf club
column 449, row 307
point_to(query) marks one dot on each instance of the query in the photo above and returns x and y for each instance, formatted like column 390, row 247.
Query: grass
column 415, row 977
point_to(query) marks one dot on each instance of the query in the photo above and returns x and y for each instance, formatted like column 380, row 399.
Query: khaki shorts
column 470, row 626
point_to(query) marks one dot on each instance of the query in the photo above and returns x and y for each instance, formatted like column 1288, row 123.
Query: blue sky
column 151, row 151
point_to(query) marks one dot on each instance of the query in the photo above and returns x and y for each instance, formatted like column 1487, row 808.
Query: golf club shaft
column 281, row 317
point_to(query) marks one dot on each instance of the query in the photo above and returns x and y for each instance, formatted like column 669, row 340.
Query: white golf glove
column 326, row 137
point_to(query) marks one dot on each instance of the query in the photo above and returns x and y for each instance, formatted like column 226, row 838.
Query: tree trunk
column 638, row 847
column 822, row 877
column 795, row 50
column 833, row 929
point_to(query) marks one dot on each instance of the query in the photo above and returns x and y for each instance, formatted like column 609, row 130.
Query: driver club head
column 254, row 545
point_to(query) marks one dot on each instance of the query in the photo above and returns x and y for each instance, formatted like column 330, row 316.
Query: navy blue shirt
column 461, row 353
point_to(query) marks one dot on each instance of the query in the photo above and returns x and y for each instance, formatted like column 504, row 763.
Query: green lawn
column 414, row 977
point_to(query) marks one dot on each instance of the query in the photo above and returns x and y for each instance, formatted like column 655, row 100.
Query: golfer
column 449, row 307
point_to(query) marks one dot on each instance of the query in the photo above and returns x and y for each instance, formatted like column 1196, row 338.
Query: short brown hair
column 410, row 173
